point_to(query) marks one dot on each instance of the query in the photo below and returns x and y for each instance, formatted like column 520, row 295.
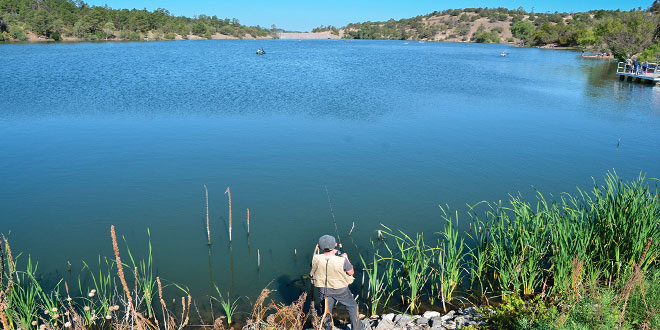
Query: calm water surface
column 94, row 134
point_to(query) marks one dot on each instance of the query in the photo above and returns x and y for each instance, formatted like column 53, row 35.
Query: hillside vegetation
column 624, row 33
column 22, row 20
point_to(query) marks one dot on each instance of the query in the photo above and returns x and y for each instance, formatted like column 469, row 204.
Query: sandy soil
column 474, row 26
column 311, row 35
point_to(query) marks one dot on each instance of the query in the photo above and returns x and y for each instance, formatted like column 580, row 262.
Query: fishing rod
column 332, row 212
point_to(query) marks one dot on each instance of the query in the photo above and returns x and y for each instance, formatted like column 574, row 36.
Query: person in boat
column 331, row 275
column 503, row 54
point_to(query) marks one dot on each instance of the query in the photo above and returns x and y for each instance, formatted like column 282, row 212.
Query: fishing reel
column 338, row 250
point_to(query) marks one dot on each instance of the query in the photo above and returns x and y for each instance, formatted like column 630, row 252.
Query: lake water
column 94, row 134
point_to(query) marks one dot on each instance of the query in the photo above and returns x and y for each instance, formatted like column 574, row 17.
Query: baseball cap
column 327, row 242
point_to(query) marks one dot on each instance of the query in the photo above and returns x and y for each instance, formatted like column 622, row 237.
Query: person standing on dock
column 331, row 274
column 635, row 67
column 629, row 67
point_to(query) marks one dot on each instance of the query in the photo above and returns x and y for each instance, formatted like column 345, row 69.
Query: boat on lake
column 261, row 51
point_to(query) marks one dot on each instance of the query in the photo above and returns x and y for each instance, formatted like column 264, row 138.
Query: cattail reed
column 248, row 221
column 10, row 259
column 228, row 192
column 120, row 269
column 208, row 229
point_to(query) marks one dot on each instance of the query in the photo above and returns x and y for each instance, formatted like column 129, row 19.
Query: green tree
column 650, row 54
column 41, row 22
column 108, row 30
column 629, row 34
column 199, row 29
column 139, row 21
column 522, row 30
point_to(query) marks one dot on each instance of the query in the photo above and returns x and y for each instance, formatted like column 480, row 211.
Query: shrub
column 170, row 36
column 199, row 29
column 17, row 33
column 517, row 313
column 650, row 54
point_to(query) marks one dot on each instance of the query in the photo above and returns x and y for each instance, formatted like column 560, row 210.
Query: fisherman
column 331, row 274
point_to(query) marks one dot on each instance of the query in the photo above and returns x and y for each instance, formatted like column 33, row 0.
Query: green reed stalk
column 145, row 280
column 571, row 235
column 624, row 216
column 99, row 300
column 22, row 302
column 415, row 259
column 520, row 243
column 479, row 255
column 228, row 307
column 377, row 289
column 451, row 257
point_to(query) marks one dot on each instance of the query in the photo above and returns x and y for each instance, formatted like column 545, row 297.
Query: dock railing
column 623, row 68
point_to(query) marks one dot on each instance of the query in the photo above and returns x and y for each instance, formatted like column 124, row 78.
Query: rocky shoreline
column 430, row 320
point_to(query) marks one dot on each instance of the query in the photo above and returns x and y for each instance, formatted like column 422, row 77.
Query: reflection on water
column 95, row 134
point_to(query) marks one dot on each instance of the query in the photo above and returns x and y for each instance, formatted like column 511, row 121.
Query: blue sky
column 303, row 15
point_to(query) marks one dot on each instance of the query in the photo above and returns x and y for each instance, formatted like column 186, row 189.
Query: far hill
column 53, row 20
column 625, row 33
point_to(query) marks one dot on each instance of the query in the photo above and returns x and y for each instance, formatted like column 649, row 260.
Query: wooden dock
column 628, row 73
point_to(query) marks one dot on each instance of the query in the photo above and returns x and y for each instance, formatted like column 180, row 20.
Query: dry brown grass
column 576, row 276
column 208, row 228
column 278, row 316
column 138, row 320
column 4, row 292
column 228, row 192
column 634, row 280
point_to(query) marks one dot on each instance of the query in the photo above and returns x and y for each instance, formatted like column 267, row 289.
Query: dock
column 652, row 75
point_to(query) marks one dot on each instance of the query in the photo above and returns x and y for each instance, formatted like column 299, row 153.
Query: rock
column 437, row 322
column 389, row 317
column 450, row 325
column 374, row 317
column 422, row 321
column 365, row 325
column 460, row 321
column 431, row 314
column 438, row 328
column 385, row 324
column 402, row 319
column 448, row 316
column 469, row 311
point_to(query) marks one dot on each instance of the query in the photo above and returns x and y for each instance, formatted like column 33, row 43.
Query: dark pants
column 344, row 297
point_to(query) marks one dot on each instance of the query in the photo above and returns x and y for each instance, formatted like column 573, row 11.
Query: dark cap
column 327, row 243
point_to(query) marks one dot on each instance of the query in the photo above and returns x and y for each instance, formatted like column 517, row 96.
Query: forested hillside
column 67, row 19
column 624, row 33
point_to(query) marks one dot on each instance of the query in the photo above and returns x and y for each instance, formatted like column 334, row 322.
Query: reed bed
column 597, row 247
column 559, row 248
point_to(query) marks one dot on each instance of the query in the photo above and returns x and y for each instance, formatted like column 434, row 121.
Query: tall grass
column 228, row 306
column 450, row 257
column 378, row 289
column 414, row 258
column 144, row 276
